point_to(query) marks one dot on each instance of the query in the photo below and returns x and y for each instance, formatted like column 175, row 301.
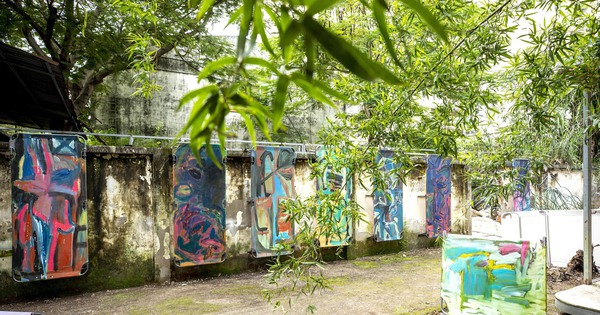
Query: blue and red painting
column 438, row 190
column 387, row 201
column 48, row 207
column 199, row 220
column 522, row 194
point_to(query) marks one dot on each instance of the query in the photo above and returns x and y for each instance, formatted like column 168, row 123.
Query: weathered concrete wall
column 130, row 215
column 118, row 110
column 121, row 225
column 566, row 181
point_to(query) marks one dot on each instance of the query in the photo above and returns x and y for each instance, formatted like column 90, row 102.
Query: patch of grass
column 370, row 263
column 186, row 305
column 366, row 264
column 393, row 282
column 338, row 281
column 237, row 290
column 122, row 297
column 139, row 311
column 424, row 311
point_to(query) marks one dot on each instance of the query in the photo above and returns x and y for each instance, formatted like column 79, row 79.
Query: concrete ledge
column 580, row 300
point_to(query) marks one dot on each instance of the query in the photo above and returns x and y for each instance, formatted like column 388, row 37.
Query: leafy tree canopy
column 91, row 40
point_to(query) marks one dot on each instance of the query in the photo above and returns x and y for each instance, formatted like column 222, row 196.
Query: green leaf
column 323, row 86
column 311, row 53
column 379, row 9
column 205, row 5
column 248, row 7
column 249, row 127
column 289, row 35
column 279, row 101
column 274, row 18
column 235, row 15
column 211, row 154
column 348, row 55
column 319, row 6
column 213, row 66
column 427, row 17
column 262, row 63
column 302, row 82
column 198, row 93
column 259, row 27
column 245, row 103
column 193, row 3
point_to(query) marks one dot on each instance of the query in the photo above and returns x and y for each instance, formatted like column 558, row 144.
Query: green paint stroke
column 485, row 276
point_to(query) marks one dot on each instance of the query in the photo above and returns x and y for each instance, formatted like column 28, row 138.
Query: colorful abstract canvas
column 438, row 190
column 387, row 201
column 199, row 219
column 327, row 183
column 522, row 194
column 272, row 183
column 490, row 276
column 49, row 214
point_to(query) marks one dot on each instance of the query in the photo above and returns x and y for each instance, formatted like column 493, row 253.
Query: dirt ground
column 403, row 283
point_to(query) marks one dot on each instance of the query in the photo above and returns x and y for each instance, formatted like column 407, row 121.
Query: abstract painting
column 272, row 183
column 490, row 276
column 387, row 201
column 199, row 219
column 329, row 182
column 49, row 214
column 522, row 194
column 438, row 190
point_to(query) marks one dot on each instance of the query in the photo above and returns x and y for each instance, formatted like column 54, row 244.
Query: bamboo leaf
column 249, row 126
column 379, row 9
column 262, row 63
column 310, row 89
column 205, row 5
column 259, row 27
column 427, row 17
column 291, row 33
column 198, row 93
column 279, row 101
column 319, row 6
column 216, row 65
column 323, row 86
column 246, row 20
column 348, row 55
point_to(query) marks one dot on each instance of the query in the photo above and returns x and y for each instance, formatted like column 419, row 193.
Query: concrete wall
column 566, row 181
column 130, row 210
column 117, row 109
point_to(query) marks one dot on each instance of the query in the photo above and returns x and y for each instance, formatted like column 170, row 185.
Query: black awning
column 33, row 92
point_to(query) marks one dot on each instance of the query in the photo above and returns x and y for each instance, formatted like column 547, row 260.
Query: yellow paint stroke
column 21, row 162
column 474, row 254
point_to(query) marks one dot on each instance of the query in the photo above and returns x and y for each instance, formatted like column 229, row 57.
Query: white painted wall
column 563, row 229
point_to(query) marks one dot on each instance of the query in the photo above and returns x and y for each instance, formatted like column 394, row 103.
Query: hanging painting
column 49, row 214
column 272, row 183
column 438, row 189
column 522, row 194
column 387, row 201
column 199, row 219
column 329, row 182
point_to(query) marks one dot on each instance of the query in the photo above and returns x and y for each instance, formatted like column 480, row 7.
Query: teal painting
column 490, row 276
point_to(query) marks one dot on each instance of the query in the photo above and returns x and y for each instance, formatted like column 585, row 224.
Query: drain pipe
column 587, row 196
column 547, row 238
